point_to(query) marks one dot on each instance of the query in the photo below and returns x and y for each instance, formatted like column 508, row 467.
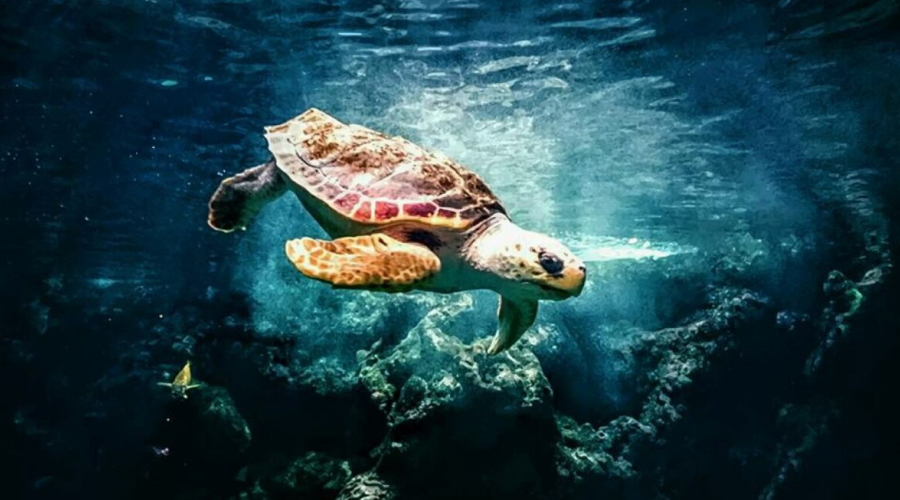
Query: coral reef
column 415, row 412
column 313, row 476
column 367, row 486
column 439, row 393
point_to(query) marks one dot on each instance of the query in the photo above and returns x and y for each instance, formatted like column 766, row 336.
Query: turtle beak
column 572, row 279
column 568, row 283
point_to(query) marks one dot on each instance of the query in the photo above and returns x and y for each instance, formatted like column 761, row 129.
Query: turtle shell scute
column 375, row 179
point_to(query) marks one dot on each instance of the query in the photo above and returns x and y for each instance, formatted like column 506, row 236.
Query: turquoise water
column 695, row 155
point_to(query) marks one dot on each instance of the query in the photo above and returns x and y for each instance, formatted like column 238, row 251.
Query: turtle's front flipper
column 374, row 261
column 514, row 316
column 238, row 199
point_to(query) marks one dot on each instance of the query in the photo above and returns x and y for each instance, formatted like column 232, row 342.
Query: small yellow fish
column 182, row 382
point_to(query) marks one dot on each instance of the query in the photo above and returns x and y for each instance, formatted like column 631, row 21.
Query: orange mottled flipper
column 374, row 261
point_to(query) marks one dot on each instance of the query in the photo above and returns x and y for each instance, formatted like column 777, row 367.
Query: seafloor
column 729, row 170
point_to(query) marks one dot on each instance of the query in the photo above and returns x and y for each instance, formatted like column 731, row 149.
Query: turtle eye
column 551, row 263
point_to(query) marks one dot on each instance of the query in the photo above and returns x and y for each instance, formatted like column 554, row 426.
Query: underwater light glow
column 605, row 248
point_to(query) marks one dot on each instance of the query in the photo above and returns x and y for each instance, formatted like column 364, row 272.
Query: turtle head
column 527, row 264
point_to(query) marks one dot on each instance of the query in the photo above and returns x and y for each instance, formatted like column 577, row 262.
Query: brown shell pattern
column 377, row 179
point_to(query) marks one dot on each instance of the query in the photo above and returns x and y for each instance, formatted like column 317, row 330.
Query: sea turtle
column 403, row 218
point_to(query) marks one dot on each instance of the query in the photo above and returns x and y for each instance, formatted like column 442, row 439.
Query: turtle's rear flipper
column 238, row 199
column 375, row 261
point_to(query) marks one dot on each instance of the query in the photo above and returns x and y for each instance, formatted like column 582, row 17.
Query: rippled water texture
column 681, row 123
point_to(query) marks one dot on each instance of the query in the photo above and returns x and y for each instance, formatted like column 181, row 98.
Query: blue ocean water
column 705, row 159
